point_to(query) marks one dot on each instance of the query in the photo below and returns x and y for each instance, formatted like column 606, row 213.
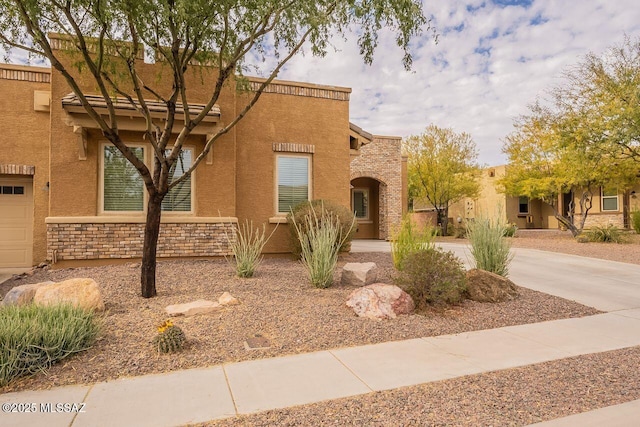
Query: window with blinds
column 123, row 186
column 293, row 181
column 179, row 197
column 360, row 203
column 609, row 199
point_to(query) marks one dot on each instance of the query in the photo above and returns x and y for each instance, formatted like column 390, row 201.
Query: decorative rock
column 23, row 294
column 380, row 301
column 484, row 286
column 83, row 293
column 228, row 299
column 359, row 273
column 192, row 308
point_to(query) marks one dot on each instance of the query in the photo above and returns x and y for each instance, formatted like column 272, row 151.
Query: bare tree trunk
column 151, row 233
column 445, row 221
column 586, row 203
column 567, row 221
column 442, row 219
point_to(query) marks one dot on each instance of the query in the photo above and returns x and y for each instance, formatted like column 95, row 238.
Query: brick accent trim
column 294, row 148
column 24, row 73
column 17, row 169
column 302, row 89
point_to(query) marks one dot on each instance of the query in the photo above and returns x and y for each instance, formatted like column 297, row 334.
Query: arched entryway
column 366, row 204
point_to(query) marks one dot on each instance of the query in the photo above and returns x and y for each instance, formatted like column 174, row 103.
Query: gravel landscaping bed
column 562, row 241
column 278, row 304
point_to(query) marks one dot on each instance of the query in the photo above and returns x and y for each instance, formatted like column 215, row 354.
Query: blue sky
column 492, row 60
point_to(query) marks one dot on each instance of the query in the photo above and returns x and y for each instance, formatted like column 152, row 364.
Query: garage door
column 16, row 222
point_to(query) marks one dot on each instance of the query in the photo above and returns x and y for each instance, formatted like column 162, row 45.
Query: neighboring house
column 66, row 195
column 608, row 206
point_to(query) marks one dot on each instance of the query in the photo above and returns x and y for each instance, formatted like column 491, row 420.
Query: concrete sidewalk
column 199, row 395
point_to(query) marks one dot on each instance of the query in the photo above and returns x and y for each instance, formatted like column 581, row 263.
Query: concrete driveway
column 7, row 273
column 605, row 285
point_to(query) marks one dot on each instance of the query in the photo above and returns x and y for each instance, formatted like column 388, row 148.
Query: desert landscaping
column 288, row 316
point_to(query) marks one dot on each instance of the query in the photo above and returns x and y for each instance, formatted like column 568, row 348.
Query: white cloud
column 477, row 79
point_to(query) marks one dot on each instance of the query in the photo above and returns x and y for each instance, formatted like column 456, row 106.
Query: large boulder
column 192, row 308
column 380, row 301
column 23, row 294
column 484, row 286
column 82, row 292
column 359, row 273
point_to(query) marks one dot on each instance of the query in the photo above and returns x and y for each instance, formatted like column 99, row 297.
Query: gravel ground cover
column 280, row 305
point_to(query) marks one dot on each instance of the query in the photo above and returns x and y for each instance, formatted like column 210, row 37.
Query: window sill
column 278, row 220
column 364, row 221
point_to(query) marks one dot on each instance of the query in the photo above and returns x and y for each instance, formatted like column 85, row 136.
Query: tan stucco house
column 60, row 180
column 609, row 206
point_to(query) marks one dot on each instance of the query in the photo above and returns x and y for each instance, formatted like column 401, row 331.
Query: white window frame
column 528, row 205
column 603, row 197
column 365, row 191
column 101, row 210
column 309, row 159
column 147, row 158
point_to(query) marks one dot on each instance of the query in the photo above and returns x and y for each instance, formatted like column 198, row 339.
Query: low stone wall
column 87, row 238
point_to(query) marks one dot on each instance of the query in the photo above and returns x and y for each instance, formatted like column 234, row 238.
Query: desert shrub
column 32, row 338
column 582, row 238
column 321, row 235
column 451, row 229
column 409, row 238
column 635, row 220
column 321, row 209
column 433, row 276
column 489, row 247
column 607, row 234
column 247, row 247
column 510, row 230
column 460, row 231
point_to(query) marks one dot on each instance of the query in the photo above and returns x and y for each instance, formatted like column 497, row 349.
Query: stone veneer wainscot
column 85, row 238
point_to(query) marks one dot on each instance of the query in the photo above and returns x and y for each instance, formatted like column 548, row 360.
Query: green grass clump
column 433, row 277
column 606, row 234
column 32, row 338
column 635, row 220
column 409, row 239
column 247, row 248
column 510, row 230
column 305, row 214
column 321, row 235
column 489, row 247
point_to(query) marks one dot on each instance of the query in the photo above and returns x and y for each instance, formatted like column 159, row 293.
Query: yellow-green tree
column 544, row 163
column 599, row 102
column 442, row 168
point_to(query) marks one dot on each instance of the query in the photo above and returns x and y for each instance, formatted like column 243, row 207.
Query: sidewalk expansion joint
column 233, row 399
column 351, row 371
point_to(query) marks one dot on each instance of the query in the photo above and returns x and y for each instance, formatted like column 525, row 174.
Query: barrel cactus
column 170, row 338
